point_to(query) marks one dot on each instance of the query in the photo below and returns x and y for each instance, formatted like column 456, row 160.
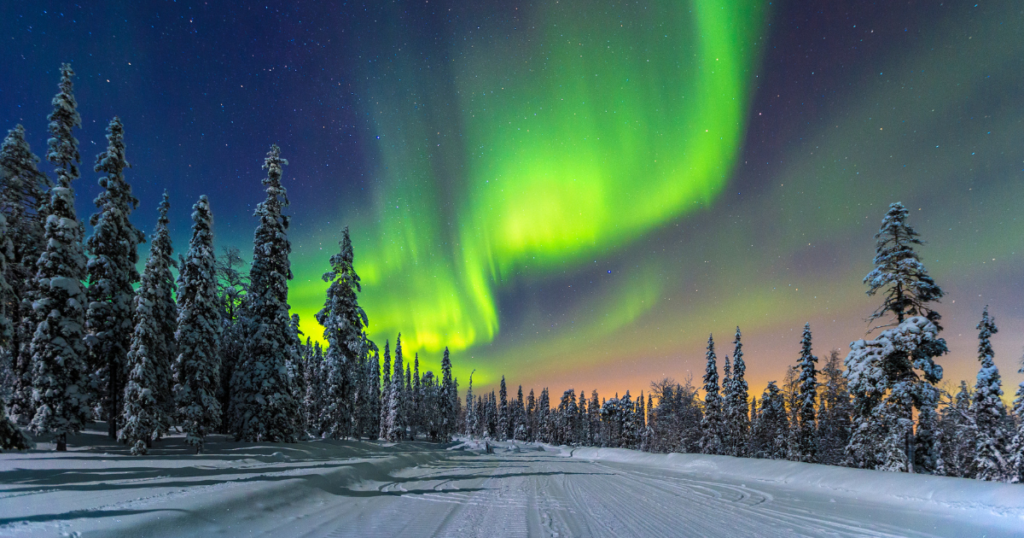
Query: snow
column 359, row 488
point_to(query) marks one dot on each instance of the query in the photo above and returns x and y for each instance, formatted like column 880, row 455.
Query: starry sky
column 572, row 193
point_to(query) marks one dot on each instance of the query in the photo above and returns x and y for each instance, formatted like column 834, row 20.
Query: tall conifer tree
column 111, row 273
column 198, row 363
column 61, row 396
column 992, row 435
column 267, row 409
column 711, row 424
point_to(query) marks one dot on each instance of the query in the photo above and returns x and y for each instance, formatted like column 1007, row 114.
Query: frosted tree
column 23, row 197
column 267, row 410
column 737, row 420
column 446, row 400
column 928, row 452
column 11, row 437
column 805, row 448
column 396, row 420
column 147, row 397
column 471, row 419
column 111, row 274
column 60, row 394
column 726, row 403
column 415, row 399
column 1017, row 446
column 385, row 401
column 992, row 431
column 503, row 419
column 198, row 363
column 883, row 373
column 711, row 424
column 519, row 417
column 770, row 435
column 343, row 321
column 373, row 390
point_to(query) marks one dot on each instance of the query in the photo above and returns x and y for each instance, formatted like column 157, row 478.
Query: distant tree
column 373, row 407
column 385, row 401
column 267, row 410
column 992, row 431
column 806, row 446
column 957, row 434
column 770, row 432
column 711, row 424
column 197, row 366
column 834, row 412
column 1017, row 445
column 737, row 419
column 61, row 396
column 446, row 396
column 23, row 198
column 471, row 418
column 396, row 417
column 928, row 452
column 503, row 418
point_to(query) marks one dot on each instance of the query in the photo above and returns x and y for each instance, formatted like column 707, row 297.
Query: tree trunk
column 62, row 442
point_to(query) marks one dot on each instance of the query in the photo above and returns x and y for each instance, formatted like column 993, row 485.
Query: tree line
column 85, row 337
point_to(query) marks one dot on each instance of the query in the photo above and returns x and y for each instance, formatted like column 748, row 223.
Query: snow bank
column 992, row 497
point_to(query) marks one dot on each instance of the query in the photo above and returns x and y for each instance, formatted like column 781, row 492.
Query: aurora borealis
column 573, row 194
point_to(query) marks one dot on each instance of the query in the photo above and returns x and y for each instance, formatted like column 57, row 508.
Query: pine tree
column 471, row 418
column 147, row 397
column 396, row 420
column 60, row 394
column 267, row 410
column 726, row 400
column 343, row 321
column 446, row 396
column 415, row 399
column 385, row 402
column 771, row 428
column 11, row 437
column 928, row 452
column 519, row 417
column 1017, row 446
column 737, row 419
column 23, row 200
column 373, row 410
column 503, row 421
column 111, row 274
column 991, row 457
column 805, row 446
column 198, row 363
column 711, row 424
column 882, row 372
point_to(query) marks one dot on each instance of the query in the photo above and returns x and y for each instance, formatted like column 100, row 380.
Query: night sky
column 572, row 193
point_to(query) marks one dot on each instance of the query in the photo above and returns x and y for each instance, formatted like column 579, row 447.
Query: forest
column 203, row 343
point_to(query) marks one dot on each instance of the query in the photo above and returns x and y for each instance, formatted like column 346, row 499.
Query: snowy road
column 364, row 490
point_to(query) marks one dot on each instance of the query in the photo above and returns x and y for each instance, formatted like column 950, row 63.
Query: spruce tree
column 805, row 447
column 415, row 399
column 711, row 424
column 770, row 433
column 373, row 389
column 928, row 451
column 61, row 396
column 11, row 437
column 446, row 396
column 883, row 372
column 396, row 420
column 111, row 274
column 385, row 400
column 1017, row 446
column 198, row 363
column 147, row 397
column 23, row 197
column 834, row 416
column 738, row 419
column 991, row 456
column 503, row 418
column 343, row 321
column 471, row 420
column 267, row 409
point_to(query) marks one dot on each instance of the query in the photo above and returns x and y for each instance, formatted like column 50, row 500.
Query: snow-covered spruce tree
column 726, row 403
column 834, row 412
column 198, row 363
column 373, row 406
column 415, row 399
column 446, row 400
column 385, row 400
column 343, row 321
column 928, row 452
column 232, row 293
column 1017, row 445
column 266, row 409
column 396, row 420
column 11, row 437
column 883, row 372
column 471, row 419
column 772, row 427
column 956, row 426
column 991, row 456
column 111, row 274
column 737, row 419
column 519, row 418
column 309, row 399
column 503, row 419
column 148, row 399
column 805, row 448
column 60, row 394
column 23, row 197
column 711, row 424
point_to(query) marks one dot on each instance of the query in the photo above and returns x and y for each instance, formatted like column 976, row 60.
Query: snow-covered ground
column 328, row 488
